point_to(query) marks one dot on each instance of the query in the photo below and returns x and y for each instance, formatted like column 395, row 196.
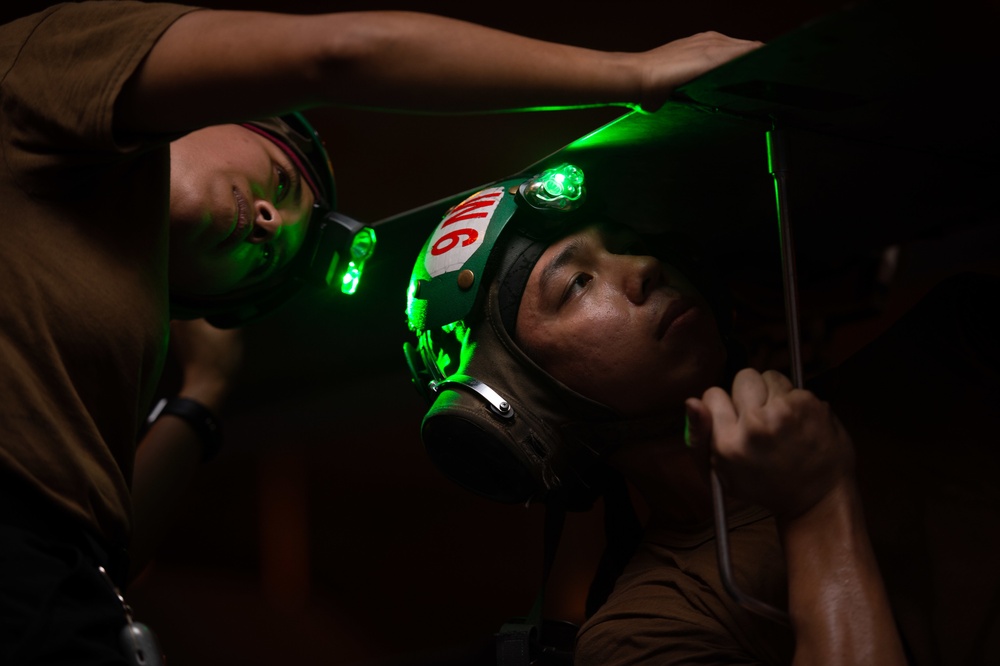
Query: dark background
column 322, row 534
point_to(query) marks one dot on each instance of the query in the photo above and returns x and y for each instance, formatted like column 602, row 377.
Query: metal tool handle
column 778, row 166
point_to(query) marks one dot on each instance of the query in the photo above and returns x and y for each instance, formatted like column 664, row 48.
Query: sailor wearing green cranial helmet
column 500, row 425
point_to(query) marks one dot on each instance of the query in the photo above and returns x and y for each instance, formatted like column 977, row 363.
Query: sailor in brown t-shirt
column 555, row 344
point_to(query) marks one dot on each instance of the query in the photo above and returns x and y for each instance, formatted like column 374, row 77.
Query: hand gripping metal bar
column 778, row 166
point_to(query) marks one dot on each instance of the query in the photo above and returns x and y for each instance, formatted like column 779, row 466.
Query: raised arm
column 783, row 449
column 214, row 66
column 171, row 452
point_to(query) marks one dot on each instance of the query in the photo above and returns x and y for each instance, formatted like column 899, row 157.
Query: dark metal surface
column 888, row 141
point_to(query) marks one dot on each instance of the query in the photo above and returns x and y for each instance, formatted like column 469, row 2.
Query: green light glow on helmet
column 559, row 188
column 452, row 267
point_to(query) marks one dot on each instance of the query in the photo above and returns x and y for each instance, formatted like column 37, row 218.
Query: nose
column 266, row 222
column 641, row 275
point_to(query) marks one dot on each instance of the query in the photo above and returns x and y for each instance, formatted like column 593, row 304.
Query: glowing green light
column 559, row 188
column 564, row 181
column 349, row 283
column 362, row 247
column 443, row 361
column 363, row 244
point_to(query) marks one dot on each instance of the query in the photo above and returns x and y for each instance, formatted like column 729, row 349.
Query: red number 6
column 453, row 238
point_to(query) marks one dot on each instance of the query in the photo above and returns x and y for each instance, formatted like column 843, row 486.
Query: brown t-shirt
column 83, row 262
column 669, row 605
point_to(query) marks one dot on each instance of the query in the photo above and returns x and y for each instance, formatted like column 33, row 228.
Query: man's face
column 239, row 210
column 617, row 326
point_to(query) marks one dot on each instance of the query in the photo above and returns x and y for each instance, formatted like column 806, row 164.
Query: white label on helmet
column 461, row 232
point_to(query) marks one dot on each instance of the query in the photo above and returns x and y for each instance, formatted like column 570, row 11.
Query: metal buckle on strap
column 497, row 404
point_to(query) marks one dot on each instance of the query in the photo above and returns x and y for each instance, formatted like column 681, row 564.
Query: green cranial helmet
column 448, row 276
column 333, row 254
column 498, row 424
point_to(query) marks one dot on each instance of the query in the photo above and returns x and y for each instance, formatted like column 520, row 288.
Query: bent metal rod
column 778, row 166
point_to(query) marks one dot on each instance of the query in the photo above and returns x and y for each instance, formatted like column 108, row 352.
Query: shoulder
column 71, row 41
column 74, row 20
column 665, row 621
column 63, row 69
column 81, row 36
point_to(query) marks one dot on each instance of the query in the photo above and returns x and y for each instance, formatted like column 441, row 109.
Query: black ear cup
column 472, row 455
column 491, row 455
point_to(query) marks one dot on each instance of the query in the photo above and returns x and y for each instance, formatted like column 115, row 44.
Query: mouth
column 672, row 316
column 242, row 227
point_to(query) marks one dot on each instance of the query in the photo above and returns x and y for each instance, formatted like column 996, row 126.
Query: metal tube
column 778, row 166
column 777, row 154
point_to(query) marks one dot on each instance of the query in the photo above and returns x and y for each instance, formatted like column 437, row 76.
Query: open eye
column 578, row 283
column 284, row 185
column 287, row 182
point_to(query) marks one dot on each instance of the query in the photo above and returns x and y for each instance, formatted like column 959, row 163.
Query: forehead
column 563, row 252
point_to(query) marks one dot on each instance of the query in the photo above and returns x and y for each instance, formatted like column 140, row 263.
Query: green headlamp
column 448, row 275
column 337, row 252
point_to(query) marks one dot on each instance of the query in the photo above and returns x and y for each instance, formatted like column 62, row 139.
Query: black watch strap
column 198, row 416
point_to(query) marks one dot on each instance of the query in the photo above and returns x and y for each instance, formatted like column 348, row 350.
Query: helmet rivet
column 504, row 406
column 465, row 279
column 512, row 189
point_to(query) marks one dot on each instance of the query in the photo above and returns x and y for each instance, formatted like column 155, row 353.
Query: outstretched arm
column 171, row 452
column 238, row 65
column 783, row 449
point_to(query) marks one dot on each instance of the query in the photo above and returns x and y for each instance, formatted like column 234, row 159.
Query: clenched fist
column 771, row 443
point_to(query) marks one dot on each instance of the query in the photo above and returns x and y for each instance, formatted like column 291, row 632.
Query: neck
column 672, row 479
column 673, row 483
